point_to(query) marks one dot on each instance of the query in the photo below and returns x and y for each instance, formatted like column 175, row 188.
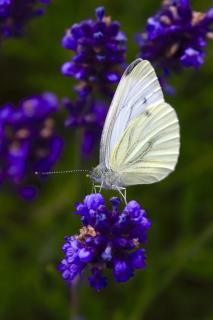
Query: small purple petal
column 107, row 254
column 122, row 271
column 192, row 58
column 96, row 280
column 137, row 259
column 28, row 193
column 98, row 35
column 93, row 201
column 67, row 69
column 100, row 11
column 68, row 42
column 112, row 77
column 115, row 202
column 85, row 255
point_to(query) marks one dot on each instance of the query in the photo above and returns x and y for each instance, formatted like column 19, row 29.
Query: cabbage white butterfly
column 140, row 139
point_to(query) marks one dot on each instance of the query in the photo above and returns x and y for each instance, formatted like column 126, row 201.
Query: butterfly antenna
column 59, row 171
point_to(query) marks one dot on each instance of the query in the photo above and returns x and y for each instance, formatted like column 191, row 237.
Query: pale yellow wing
column 138, row 89
column 148, row 149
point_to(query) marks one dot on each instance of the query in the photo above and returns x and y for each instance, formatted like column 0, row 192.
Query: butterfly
column 141, row 138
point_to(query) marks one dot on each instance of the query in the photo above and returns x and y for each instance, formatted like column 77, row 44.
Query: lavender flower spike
column 99, row 48
column 108, row 239
column 14, row 14
column 99, row 53
column 176, row 36
column 89, row 115
column 28, row 142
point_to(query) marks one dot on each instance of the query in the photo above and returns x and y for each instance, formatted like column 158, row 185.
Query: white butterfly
column 140, row 140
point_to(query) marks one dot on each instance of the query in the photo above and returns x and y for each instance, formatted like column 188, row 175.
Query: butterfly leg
column 123, row 194
column 101, row 186
column 93, row 188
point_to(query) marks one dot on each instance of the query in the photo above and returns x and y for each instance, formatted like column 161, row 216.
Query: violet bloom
column 14, row 14
column 88, row 116
column 176, row 37
column 99, row 53
column 109, row 239
column 28, row 142
column 99, row 48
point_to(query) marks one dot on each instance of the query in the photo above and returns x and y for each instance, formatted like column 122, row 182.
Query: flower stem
column 74, row 301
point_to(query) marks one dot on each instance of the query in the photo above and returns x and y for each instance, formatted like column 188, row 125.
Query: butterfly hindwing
column 148, row 149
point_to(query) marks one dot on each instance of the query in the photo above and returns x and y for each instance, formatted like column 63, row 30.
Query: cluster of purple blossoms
column 98, row 63
column 15, row 13
column 88, row 116
column 108, row 240
column 99, row 48
column 176, row 37
column 28, row 142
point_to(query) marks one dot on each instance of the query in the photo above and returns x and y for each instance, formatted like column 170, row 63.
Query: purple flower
column 176, row 37
column 28, row 141
column 99, row 54
column 108, row 240
column 89, row 116
column 99, row 48
column 14, row 14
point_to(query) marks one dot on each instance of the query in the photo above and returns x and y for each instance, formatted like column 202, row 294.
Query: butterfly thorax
column 107, row 178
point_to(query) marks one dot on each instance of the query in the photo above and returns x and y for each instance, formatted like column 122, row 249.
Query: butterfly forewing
column 138, row 89
column 148, row 149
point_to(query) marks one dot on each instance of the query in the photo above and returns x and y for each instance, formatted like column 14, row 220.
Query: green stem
column 74, row 301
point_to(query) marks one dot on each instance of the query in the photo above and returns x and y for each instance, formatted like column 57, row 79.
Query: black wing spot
column 132, row 66
column 144, row 100
column 147, row 113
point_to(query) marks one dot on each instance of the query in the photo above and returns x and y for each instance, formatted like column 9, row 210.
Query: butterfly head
column 95, row 174
column 105, row 177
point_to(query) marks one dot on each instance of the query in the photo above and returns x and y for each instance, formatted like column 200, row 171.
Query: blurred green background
column 179, row 276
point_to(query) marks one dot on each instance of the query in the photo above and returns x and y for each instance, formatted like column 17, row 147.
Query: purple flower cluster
column 99, row 48
column 89, row 116
column 176, row 37
column 28, row 141
column 108, row 240
column 15, row 13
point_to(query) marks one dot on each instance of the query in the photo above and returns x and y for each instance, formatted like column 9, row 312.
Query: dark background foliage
column 177, row 281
